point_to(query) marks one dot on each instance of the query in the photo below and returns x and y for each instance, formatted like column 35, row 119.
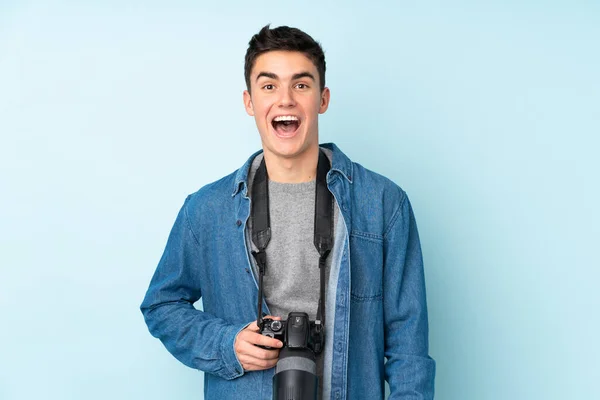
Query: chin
column 287, row 152
column 288, row 147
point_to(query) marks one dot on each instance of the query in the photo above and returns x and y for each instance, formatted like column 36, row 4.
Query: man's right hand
column 252, row 357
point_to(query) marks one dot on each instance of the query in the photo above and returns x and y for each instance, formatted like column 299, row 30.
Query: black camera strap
column 323, row 235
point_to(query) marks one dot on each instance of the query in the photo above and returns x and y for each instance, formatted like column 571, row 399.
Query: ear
column 325, row 96
column 248, row 103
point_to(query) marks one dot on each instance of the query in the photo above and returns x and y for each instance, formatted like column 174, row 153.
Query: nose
column 287, row 98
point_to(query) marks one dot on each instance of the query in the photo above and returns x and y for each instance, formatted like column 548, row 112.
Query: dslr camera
column 297, row 332
column 296, row 372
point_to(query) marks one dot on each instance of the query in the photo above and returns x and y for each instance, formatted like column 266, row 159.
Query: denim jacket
column 376, row 326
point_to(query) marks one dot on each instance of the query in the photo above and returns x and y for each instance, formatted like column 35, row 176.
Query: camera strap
column 323, row 234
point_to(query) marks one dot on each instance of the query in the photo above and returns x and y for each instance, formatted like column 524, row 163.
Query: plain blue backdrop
column 486, row 113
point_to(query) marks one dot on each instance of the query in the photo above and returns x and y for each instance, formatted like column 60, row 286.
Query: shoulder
column 369, row 184
column 376, row 201
column 213, row 199
column 214, row 190
column 364, row 184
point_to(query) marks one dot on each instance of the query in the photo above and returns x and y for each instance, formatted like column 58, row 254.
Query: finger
column 263, row 354
column 250, row 364
column 259, row 362
column 255, row 358
column 258, row 339
column 249, row 349
column 252, row 327
column 259, row 365
column 261, row 340
column 268, row 341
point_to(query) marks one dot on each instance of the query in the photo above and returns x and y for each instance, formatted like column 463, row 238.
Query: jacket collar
column 340, row 164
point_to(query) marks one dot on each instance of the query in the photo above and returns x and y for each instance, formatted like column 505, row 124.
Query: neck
column 293, row 170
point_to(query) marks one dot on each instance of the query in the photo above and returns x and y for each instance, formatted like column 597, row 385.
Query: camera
column 296, row 372
column 297, row 332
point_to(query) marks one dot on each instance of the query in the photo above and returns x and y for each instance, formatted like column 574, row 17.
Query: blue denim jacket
column 376, row 326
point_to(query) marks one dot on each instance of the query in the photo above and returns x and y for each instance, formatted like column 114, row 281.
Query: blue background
column 486, row 113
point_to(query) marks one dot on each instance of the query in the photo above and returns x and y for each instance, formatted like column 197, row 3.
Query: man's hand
column 252, row 357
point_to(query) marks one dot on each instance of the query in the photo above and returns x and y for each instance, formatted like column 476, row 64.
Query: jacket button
column 238, row 222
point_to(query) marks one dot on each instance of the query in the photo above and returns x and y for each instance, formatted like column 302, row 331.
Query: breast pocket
column 366, row 266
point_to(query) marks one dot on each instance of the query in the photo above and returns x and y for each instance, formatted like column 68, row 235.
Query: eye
column 301, row 86
column 269, row 87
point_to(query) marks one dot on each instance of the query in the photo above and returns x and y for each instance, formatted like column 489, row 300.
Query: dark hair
column 287, row 39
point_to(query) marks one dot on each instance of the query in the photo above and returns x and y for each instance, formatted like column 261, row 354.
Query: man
column 375, row 307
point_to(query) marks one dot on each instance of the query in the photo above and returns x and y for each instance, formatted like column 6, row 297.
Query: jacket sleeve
column 196, row 338
column 409, row 370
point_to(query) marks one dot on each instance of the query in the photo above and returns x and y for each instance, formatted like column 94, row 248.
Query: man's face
column 285, row 101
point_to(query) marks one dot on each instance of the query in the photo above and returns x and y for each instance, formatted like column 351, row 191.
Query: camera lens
column 276, row 326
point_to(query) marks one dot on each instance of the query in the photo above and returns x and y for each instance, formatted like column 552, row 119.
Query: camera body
column 297, row 332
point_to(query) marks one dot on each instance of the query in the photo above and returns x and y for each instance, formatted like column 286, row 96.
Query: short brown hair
column 287, row 39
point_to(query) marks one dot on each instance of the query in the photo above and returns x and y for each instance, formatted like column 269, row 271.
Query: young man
column 375, row 310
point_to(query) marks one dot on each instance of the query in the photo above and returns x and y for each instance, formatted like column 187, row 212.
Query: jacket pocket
column 366, row 267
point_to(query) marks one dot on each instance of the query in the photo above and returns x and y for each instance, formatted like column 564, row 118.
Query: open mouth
column 285, row 125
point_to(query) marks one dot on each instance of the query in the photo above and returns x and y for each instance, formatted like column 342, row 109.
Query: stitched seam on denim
column 396, row 215
column 366, row 298
column 367, row 236
column 340, row 172
column 187, row 221
column 347, row 336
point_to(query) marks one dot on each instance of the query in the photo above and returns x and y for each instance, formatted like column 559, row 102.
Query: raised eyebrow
column 269, row 75
column 303, row 75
